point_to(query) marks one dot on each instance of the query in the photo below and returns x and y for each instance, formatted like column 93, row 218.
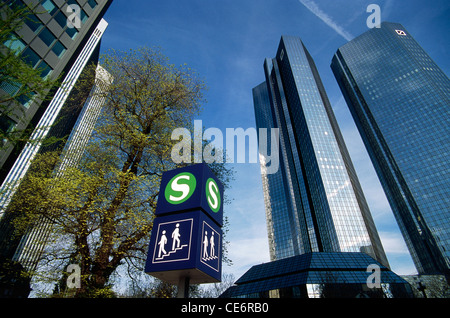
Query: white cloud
column 393, row 243
column 397, row 253
column 246, row 253
column 314, row 8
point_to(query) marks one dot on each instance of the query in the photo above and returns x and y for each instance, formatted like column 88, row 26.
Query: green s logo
column 213, row 195
column 180, row 188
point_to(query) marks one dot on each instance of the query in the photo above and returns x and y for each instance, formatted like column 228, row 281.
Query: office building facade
column 46, row 123
column 32, row 244
column 47, row 42
column 314, row 203
column 400, row 101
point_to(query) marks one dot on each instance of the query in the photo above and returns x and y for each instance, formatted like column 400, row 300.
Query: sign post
column 186, row 241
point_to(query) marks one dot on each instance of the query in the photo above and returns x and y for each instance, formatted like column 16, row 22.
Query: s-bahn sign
column 185, row 245
column 189, row 188
column 186, row 239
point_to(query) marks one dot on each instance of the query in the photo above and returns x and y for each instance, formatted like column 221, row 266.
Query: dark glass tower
column 400, row 100
column 314, row 202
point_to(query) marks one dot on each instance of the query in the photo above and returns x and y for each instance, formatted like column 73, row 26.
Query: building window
column 25, row 100
column 10, row 87
column 45, row 69
column 59, row 49
column 61, row 19
column 30, row 57
column 6, row 123
column 83, row 16
column 15, row 44
column 50, row 6
column 33, row 23
column 92, row 3
column 72, row 32
column 47, row 37
column 6, row 126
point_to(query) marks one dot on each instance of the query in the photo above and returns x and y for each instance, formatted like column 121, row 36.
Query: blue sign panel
column 210, row 248
column 191, row 188
column 189, row 244
column 173, row 241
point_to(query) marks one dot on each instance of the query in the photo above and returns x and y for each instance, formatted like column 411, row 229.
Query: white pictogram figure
column 176, row 234
column 161, row 243
column 176, row 237
column 205, row 245
column 211, row 241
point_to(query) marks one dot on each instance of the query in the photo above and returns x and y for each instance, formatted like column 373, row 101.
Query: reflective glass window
column 50, row 6
column 45, row 69
column 47, row 37
column 15, row 44
column 59, row 49
column 72, row 32
column 34, row 23
column 61, row 19
column 92, row 3
column 30, row 57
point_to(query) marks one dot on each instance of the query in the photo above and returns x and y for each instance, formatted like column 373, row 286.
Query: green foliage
column 101, row 211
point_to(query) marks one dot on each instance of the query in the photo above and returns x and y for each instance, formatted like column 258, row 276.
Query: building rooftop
column 336, row 268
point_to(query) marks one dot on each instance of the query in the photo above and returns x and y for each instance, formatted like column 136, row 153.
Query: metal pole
column 183, row 287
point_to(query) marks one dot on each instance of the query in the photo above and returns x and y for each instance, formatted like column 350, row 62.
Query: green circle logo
column 180, row 188
column 213, row 195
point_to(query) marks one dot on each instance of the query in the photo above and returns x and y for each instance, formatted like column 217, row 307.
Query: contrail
column 312, row 6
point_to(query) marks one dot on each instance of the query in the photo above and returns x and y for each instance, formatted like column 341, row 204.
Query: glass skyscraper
column 400, row 100
column 314, row 203
column 46, row 41
column 31, row 246
column 45, row 127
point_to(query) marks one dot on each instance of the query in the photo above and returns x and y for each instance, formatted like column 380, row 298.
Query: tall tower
column 314, row 203
column 400, row 100
column 47, row 42
column 31, row 246
column 45, row 127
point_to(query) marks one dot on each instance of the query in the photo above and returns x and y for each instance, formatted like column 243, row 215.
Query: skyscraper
column 48, row 42
column 314, row 203
column 400, row 100
column 52, row 113
column 31, row 244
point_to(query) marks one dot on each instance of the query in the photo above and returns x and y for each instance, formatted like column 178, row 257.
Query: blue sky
column 226, row 42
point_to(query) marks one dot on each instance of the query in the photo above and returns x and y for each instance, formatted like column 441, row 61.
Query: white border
column 219, row 248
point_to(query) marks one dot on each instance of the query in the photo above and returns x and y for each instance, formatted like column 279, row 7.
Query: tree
column 217, row 289
column 101, row 211
column 21, row 82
